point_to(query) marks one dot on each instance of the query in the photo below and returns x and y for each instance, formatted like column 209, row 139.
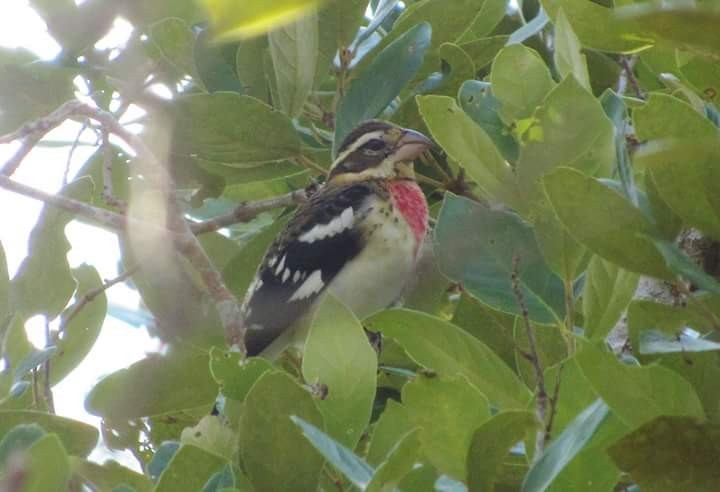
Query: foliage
column 577, row 144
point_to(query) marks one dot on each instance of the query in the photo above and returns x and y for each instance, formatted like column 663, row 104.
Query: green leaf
column 338, row 355
column 233, row 19
column 79, row 438
column 83, row 329
column 597, row 27
column 671, row 453
column 478, row 246
column 562, row 253
column 467, row 143
column 398, row 464
column 520, row 96
column 381, row 81
column 491, row 444
column 189, row 469
column 30, row 90
column 353, row 467
column 230, row 128
column 47, row 468
column 174, row 40
column 478, row 101
column 250, row 71
column 565, row 447
column 267, row 430
column 447, row 411
column 46, row 263
column 526, row 31
column 294, row 51
column 461, row 66
column 483, row 51
column 155, row 385
column 19, row 438
column 569, row 129
column 109, row 475
column 550, row 343
column 215, row 65
column 658, row 342
column 682, row 265
column 607, row 224
column 638, row 394
column 34, row 359
column 608, row 291
column 448, row 350
column 212, row 435
column 569, row 58
column 393, row 424
column 236, row 375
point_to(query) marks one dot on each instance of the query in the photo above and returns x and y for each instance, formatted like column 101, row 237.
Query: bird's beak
column 410, row 145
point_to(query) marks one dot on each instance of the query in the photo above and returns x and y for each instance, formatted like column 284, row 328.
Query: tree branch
column 541, row 395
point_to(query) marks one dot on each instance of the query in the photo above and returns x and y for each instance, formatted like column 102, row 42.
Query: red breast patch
column 410, row 201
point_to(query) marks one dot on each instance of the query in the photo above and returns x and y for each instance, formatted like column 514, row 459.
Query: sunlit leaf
column 78, row 438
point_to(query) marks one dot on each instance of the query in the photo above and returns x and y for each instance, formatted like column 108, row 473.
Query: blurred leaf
column 294, row 51
column 489, row 16
column 250, row 71
column 461, row 66
column 354, row 468
column 638, row 394
column 682, row 265
column 563, row 254
column 467, row 143
column 447, row 410
column 46, row 263
column 15, row 346
column 47, row 468
column 671, row 453
column 214, row 65
column 30, row 90
column 569, row 129
column 658, row 342
column 519, row 96
column 608, row 291
column 491, row 443
column 144, row 13
column 80, row 333
column 448, row 350
column 161, row 458
column 565, row 447
column 380, row 82
column 607, row 223
column 530, row 29
column 109, row 475
column 398, row 464
column 211, row 434
column 231, row 128
column 614, row 107
column 5, row 311
column 267, row 430
column 477, row 246
column 483, row 51
column 597, row 27
column 155, row 385
column 569, row 58
column 338, row 355
column 79, row 438
column 392, row 425
column 234, row 375
column 478, row 101
column 233, row 19
column 189, row 469
column 689, row 26
column 174, row 40
column 18, row 439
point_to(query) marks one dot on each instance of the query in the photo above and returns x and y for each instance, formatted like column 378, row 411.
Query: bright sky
column 119, row 344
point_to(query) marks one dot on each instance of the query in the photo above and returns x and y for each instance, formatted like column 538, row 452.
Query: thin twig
column 48, row 395
column 68, row 162
column 420, row 178
column 92, row 294
column 249, row 210
column 107, row 193
column 554, row 401
column 627, row 75
column 429, row 159
column 541, row 393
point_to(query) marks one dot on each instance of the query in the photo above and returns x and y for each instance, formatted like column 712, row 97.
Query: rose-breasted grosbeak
column 358, row 237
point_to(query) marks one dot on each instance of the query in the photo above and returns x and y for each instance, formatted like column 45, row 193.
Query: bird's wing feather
column 317, row 242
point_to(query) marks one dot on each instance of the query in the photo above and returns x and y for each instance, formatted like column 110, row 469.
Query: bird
column 358, row 237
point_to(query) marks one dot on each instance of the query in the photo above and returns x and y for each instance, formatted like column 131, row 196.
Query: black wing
column 294, row 271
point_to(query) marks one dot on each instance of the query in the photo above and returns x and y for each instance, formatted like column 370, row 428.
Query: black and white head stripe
column 319, row 240
column 371, row 127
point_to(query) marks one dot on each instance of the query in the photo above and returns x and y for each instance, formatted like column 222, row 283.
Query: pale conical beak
column 411, row 145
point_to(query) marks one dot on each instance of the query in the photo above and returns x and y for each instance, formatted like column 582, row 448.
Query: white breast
column 377, row 276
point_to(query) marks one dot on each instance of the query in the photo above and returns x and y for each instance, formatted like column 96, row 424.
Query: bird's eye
column 374, row 145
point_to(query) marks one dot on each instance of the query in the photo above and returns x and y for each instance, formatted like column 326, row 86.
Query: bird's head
column 377, row 150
